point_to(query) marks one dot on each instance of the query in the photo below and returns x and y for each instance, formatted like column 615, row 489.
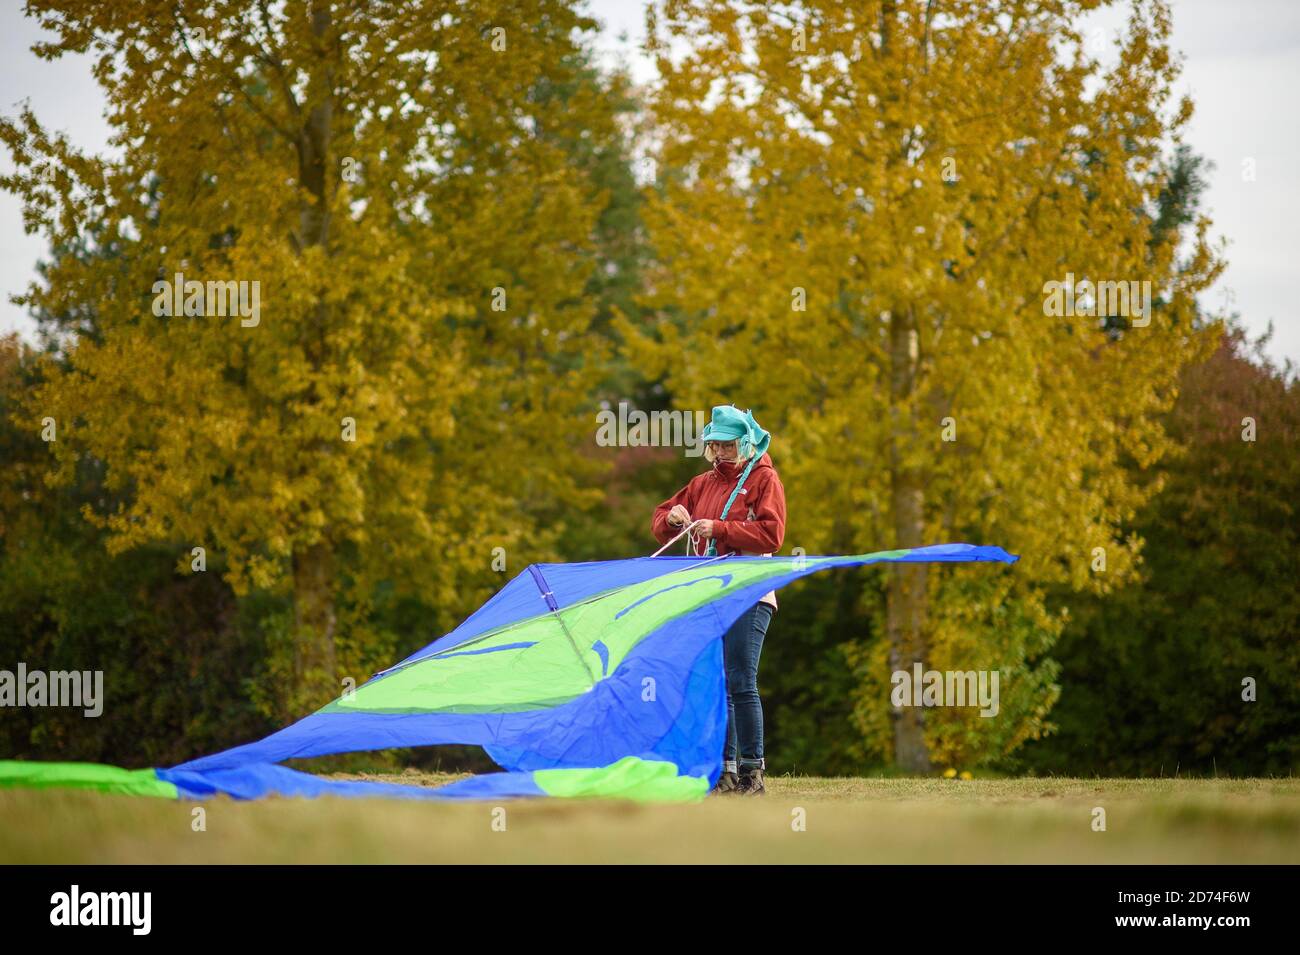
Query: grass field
column 847, row 820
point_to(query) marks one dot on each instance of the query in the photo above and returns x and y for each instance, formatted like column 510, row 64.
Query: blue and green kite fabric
column 589, row 679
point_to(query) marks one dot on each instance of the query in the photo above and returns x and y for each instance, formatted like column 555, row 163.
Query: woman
column 741, row 506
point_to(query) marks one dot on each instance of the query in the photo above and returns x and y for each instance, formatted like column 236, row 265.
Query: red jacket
column 756, row 521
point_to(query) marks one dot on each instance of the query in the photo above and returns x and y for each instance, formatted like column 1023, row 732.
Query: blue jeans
column 741, row 646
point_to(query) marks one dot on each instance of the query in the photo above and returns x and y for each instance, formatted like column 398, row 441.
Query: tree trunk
column 314, row 624
column 313, row 565
column 906, row 607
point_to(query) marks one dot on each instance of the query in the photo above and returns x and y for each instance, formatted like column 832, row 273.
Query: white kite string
column 691, row 540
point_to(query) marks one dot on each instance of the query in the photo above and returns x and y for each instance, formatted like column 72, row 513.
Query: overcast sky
column 1242, row 69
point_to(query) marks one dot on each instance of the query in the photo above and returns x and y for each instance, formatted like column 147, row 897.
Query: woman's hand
column 679, row 516
column 704, row 530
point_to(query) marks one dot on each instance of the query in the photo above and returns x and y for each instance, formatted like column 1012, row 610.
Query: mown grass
column 847, row 820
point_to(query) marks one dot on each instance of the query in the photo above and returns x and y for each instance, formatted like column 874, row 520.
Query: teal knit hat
column 729, row 423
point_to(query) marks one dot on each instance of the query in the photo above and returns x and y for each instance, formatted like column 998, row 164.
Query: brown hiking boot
column 751, row 782
column 728, row 785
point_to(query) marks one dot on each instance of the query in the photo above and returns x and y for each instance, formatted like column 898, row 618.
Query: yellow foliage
column 369, row 177
column 915, row 175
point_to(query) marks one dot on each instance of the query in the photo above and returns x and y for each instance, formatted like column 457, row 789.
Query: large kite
column 590, row 679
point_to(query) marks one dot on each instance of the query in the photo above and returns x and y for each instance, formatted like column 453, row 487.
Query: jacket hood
column 730, row 470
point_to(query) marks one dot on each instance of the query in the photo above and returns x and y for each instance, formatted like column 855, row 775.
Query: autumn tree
column 1192, row 667
column 335, row 308
column 859, row 212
